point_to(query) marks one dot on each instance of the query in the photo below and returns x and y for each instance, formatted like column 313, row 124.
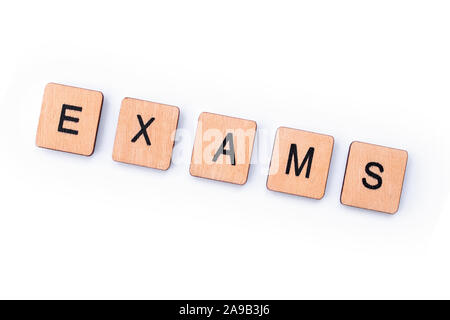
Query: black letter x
column 143, row 130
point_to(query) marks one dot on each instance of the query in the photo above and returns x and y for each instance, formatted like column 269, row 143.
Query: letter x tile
column 69, row 119
column 223, row 148
column 374, row 177
column 146, row 133
column 300, row 163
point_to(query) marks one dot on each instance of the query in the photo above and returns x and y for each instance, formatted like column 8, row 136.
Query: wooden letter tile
column 300, row 163
column 146, row 133
column 69, row 119
column 374, row 177
column 223, row 148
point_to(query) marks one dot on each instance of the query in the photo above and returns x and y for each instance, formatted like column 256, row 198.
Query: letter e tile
column 69, row 119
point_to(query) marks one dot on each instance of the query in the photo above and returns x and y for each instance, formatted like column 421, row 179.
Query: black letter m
column 293, row 154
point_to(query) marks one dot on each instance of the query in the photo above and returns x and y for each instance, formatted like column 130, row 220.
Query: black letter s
column 373, row 175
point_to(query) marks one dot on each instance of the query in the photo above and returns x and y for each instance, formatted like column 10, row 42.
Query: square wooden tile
column 374, row 177
column 69, row 119
column 146, row 133
column 223, row 148
column 300, row 163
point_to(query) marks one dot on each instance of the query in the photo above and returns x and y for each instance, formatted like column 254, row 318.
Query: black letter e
column 68, row 118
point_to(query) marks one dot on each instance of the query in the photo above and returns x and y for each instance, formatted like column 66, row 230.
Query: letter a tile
column 223, row 148
column 145, row 133
column 300, row 163
column 69, row 119
column 374, row 177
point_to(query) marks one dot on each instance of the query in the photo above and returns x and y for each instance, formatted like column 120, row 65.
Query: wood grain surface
column 212, row 131
column 76, row 131
column 146, row 133
column 374, row 177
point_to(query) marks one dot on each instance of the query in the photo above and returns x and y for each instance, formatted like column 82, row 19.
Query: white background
column 88, row 227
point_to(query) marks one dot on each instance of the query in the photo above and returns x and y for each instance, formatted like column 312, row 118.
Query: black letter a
column 63, row 118
column 230, row 152
column 308, row 157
